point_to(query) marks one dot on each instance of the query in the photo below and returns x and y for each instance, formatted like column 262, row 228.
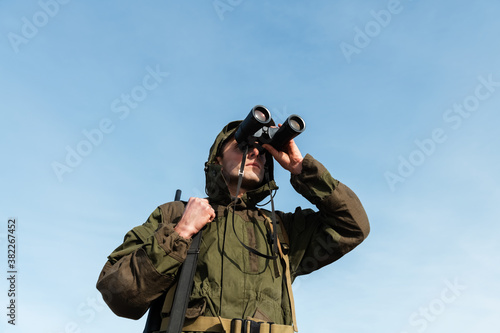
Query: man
column 238, row 274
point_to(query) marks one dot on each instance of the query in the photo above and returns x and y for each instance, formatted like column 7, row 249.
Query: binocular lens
column 294, row 125
column 260, row 116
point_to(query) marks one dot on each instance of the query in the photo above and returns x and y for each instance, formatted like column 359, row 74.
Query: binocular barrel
column 293, row 126
column 256, row 128
column 258, row 117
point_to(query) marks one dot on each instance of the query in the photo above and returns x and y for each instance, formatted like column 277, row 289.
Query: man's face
column 231, row 161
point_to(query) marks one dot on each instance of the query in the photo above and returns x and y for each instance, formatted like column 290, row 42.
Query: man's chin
column 252, row 183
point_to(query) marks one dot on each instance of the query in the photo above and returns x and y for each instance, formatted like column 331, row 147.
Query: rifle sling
column 184, row 285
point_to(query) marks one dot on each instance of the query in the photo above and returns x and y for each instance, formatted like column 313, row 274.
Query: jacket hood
column 216, row 187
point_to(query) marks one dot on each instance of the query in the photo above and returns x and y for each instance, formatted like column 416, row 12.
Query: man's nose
column 253, row 151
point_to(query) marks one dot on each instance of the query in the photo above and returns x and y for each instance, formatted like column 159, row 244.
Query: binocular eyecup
column 256, row 129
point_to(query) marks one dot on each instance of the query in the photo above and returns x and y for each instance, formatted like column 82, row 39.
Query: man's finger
column 271, row 149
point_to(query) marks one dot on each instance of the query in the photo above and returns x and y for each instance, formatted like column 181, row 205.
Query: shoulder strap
column 282, row 234
column 283, row 247
column 281, row 231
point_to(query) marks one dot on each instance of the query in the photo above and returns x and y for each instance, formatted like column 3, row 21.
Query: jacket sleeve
column 145, row 265
column 318, row 238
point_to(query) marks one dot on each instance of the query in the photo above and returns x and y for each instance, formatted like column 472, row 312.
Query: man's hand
column 289, row 158
column 197, row 214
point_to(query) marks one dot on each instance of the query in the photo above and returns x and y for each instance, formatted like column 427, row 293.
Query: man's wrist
column 297, row 169
column 184, row 231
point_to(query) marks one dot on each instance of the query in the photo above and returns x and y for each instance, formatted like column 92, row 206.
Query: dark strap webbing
column 184, row 285
column 182, row 291
column 153, row 322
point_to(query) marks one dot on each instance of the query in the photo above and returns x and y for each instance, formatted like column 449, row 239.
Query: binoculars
column 256, row 129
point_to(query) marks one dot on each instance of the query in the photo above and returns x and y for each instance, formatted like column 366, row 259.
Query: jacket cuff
column 171, row 242
column 314, row 182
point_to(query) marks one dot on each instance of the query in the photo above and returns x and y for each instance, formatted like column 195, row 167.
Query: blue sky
column 108, row 108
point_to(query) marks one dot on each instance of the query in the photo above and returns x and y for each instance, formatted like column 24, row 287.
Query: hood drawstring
column 273, row 239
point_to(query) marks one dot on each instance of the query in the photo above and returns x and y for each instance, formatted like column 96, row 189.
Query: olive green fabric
column 230, row 281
